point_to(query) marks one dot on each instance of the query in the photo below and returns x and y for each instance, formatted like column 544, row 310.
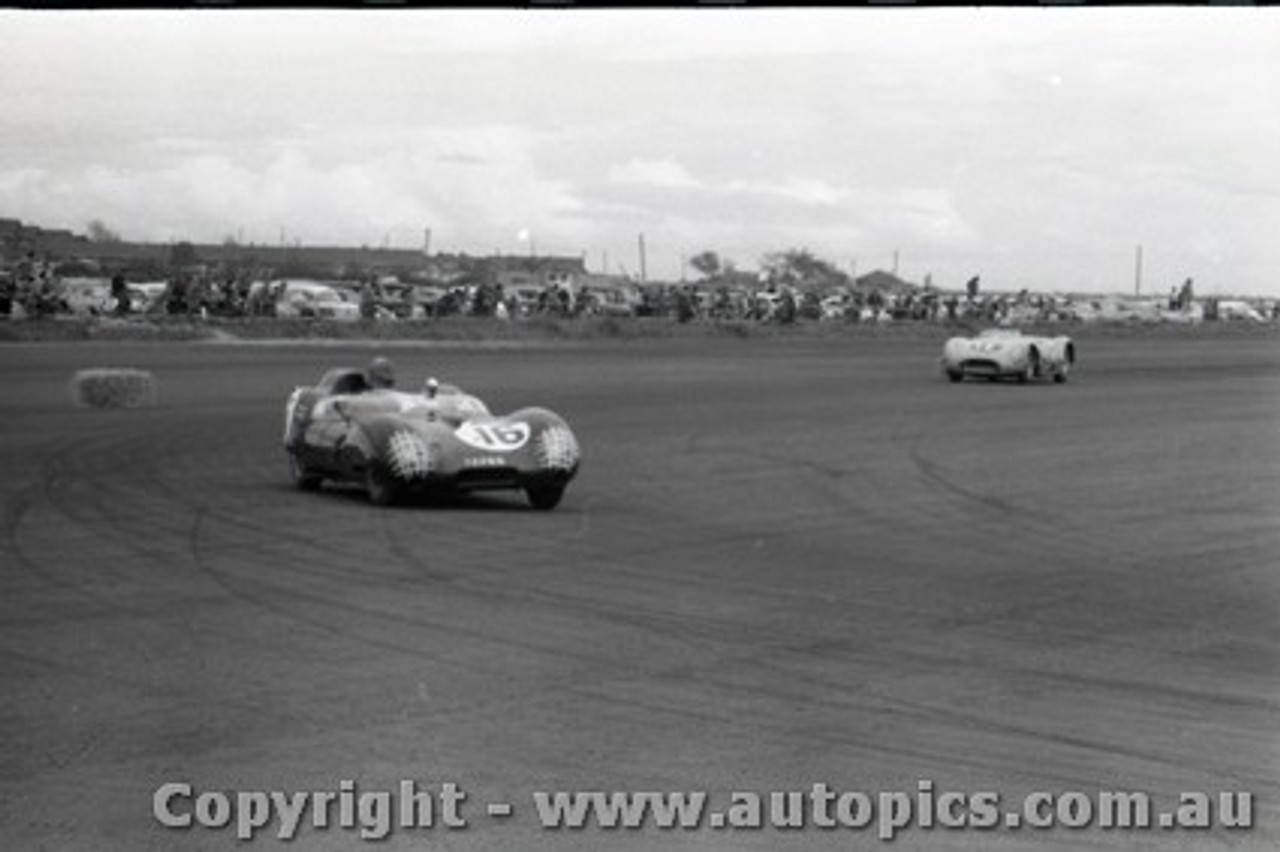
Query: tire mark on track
column 1005, row 510
column 972, row 721
column 237, row 585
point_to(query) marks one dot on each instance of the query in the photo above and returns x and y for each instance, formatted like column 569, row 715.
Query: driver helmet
column 381, row 373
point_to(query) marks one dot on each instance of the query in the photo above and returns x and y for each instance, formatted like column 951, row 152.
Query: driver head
column 381, row 373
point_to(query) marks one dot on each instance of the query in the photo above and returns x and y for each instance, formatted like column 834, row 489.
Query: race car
column 438, row 441
column 1001, row 353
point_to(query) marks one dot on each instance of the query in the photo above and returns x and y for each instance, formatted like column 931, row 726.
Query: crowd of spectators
column 34, row 288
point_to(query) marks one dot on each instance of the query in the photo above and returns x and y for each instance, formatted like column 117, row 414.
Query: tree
column 972, row 288
column 100, row 233
column 183, row 254
column 707, row 263
column 802, row 268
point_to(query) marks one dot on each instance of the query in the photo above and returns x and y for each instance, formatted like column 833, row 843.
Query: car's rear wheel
column 544, row 497
column 303, row 477
column 955, row 375
column 382, row 486
column 1032, row 368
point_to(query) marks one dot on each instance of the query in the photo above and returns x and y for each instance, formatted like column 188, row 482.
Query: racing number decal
column 498, row 437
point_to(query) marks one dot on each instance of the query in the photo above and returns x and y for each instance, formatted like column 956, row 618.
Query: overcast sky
column 1035, row 147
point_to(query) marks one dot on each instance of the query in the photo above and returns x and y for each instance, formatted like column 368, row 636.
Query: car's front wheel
column 303, row 477
column 382, row 486
column 955, row 375
column 544, row 497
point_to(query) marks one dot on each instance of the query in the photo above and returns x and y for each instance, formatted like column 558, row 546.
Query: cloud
column 803, row 190
column 332, row 187
column 968, row 138
column 461, row 159
column 661, row 173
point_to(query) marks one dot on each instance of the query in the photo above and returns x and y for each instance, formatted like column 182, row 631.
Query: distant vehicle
column 836, row 306
column 399, row 444
column 766, row 303
column 527, row 299
column 300, row 298
column 398, row 301
column 145, row 295
column 93, row 295
column 608, row 301
column 427, row 299
column 1238, row 309
column 87, row 295
column 1006, row 353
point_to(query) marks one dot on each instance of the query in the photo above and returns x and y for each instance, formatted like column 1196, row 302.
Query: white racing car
column 1004, row 353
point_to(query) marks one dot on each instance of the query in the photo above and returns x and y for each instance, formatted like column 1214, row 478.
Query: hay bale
column 113, row 388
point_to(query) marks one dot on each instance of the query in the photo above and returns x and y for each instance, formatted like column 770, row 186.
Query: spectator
column 787, row 307
column 120, row 296
column 971, row 287
column 44, row 298
column 368, row 300
column 7, row 291
column 684, row 306
column 175, row 295
column 25, row 281
column 255, row 301
column 1186, row 295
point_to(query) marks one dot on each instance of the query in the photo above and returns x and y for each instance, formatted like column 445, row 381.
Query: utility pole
column 643, row 275
column 895, row 263
column 1137, row 272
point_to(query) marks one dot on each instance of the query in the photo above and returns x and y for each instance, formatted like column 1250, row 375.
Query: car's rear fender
column 1057, row 350
column 297, row 414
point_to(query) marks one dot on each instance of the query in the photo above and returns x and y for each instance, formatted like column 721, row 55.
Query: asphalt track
column 785, row 562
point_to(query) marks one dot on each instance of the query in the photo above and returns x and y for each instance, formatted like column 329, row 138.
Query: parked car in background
column 90, row 296
column 145, row 296
column 608, row 301
column 397, row 301
column 426, row 299
column 1239, row 309
column 527, row 299
column 305, row 299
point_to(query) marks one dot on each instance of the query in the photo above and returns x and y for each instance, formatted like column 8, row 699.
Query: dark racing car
column 439, row 441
